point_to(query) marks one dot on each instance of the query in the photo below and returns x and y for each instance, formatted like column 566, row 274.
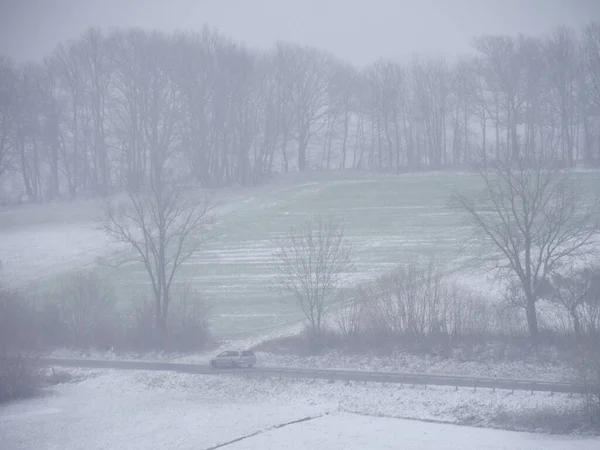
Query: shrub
column 350, row 316
column 588, row 370
column 188, row 321
column 51, row 326
column 414, row 302
column 142, row 335
column 19, row 348
column 465, row 313
column 87, row 307
column 187, row 324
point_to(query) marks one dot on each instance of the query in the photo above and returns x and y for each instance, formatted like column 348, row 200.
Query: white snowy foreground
column 152, row 410
column 350, row 431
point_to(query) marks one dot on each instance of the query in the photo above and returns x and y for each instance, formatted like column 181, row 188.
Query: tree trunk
column 344, row 141
column 165, row 312
column 576, row 321
column 302, row 156
column 483, row 139
column 532, row 322
column 157, row 311
column 330, row 143
column 497, row 126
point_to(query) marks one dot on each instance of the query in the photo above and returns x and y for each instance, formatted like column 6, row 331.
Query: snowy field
column 388, row 219
column 142, row 410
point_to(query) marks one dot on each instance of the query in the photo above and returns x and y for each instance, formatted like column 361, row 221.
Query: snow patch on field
column 33, row 254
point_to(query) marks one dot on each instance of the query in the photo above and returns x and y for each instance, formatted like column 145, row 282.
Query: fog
column 275, row 212
column 357, row 31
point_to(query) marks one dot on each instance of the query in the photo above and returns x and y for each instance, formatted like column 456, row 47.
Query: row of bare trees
column 116, row 110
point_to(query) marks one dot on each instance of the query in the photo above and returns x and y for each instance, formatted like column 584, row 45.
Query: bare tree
column 463, row 89
column 536, row 219
column 431, row 90
column 28, row 130
column 589, row 93
column 505, row 67
column 571, row 290
column 591, row 49
column 98, row 70
column 65, row 60
column 8, row 84
column 562, row 54
column 164, row 229
column 271, row 131
column 387, row 86
column 308, row 77
column 342, row 92
column 311, row 261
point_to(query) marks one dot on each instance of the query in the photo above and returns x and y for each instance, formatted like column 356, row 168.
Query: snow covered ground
column 406, row 362
column 34, row 254
column 356, row 432
column 151, row 410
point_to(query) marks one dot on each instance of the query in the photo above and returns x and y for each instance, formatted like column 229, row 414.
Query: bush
column 588, row 370
column 465, row 313
column 187, row 324
column 51, row 325
column 350, row 316
column 19, row 348
column 87, row 309
column 84, row 315
column 142, row 334
column 19, row 376
column 414, row 302
column 188, row 321
column 415, row 308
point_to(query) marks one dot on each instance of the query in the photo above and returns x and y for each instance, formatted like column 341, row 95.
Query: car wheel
column 250, row 366
column 213, row 364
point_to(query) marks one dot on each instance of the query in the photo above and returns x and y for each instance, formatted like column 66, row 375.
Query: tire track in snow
column 274, row 427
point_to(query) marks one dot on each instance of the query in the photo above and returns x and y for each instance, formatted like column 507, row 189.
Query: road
column 327, row 374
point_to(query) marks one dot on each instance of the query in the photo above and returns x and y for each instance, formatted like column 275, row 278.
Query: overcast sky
column 359, row 31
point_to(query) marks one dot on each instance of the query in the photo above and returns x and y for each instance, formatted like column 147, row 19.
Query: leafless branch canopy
column 537, row 218
column 311, row 261
column 163, row 229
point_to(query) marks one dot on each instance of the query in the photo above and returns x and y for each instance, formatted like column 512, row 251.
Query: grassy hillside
column 388, row 218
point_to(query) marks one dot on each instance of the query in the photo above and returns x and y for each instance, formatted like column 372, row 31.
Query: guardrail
column 421, row 379
column 330, row 374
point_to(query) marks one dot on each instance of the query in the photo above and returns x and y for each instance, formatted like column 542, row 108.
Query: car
column 234, row 358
